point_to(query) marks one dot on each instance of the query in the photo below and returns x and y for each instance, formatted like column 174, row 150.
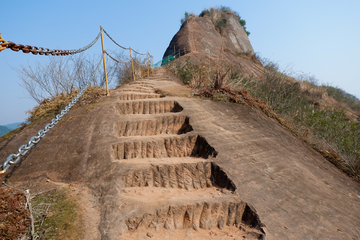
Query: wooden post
column 132, row 65
column 148, row 65
column 103, row 50
column 102, row 43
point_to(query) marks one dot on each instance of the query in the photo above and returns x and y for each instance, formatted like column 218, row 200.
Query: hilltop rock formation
column 226, row 41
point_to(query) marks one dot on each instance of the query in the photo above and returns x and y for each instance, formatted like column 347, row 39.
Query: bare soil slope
column 178, row 167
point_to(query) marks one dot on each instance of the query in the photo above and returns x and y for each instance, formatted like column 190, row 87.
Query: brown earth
column 174, row 167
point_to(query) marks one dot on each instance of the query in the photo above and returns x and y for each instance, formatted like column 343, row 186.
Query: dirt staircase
column 174, row 190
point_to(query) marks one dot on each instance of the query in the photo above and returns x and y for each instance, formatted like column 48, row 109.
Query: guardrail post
column 103, row 50
column 132, row 64
column 148, row 64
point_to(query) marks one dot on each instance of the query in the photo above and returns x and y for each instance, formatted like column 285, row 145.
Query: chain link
column 14, row 158
column 44, row 51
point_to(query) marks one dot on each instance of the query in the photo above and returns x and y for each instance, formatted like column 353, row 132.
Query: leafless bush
column 123, row 70
column 61, row 75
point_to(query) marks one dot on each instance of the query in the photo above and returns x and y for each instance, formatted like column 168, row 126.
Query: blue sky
column 317, row 37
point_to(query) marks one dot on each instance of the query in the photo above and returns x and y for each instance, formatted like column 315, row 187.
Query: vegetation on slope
column 298, row 105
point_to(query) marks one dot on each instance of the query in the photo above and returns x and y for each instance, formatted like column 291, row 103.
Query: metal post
column 132, row 64
column 103, row 50
column 148, row 64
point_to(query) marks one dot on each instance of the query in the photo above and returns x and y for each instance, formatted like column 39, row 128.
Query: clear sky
column 316, row 37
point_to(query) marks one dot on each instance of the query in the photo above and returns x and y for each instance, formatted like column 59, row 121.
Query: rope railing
column 139, row 53
column 116, row 60
column 14, row 158
column 115, row 41
column 131, row 57
column 42, row 51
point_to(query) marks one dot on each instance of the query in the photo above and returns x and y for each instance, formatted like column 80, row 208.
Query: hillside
column 159, row 159
column 4, row 130
column 222, row 66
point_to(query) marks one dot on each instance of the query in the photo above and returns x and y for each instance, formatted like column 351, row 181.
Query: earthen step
column 166, row 147
column 140, row 162
column 137, row 90
column 208, row 215
column 191, row 175
column 141, row 83
column 175, row 124
column 135, row 96
column 148, row 107
column 138, row 86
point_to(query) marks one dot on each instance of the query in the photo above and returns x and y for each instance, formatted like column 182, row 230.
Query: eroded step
column 179, row 146
column 161, row 125
column 138, row 86
column 207, row 215
column 135, row 96
column 136, row 90
column 142, row 85
column 148, row 107
column 193, row 175
column 141, row 82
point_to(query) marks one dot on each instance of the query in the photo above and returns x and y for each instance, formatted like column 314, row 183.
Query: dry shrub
column 14, row 216
column 124, row 72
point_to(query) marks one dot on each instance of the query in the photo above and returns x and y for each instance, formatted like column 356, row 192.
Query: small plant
column 186, row 17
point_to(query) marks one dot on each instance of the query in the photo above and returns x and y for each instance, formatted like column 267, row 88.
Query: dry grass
column 55, row 215
column 49, row 107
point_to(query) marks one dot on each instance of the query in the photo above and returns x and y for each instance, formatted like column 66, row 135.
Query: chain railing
column 43, row 51
column 14, row 158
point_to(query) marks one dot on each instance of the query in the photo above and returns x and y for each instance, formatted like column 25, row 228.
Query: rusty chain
column 42, row 51
column 14, row 158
